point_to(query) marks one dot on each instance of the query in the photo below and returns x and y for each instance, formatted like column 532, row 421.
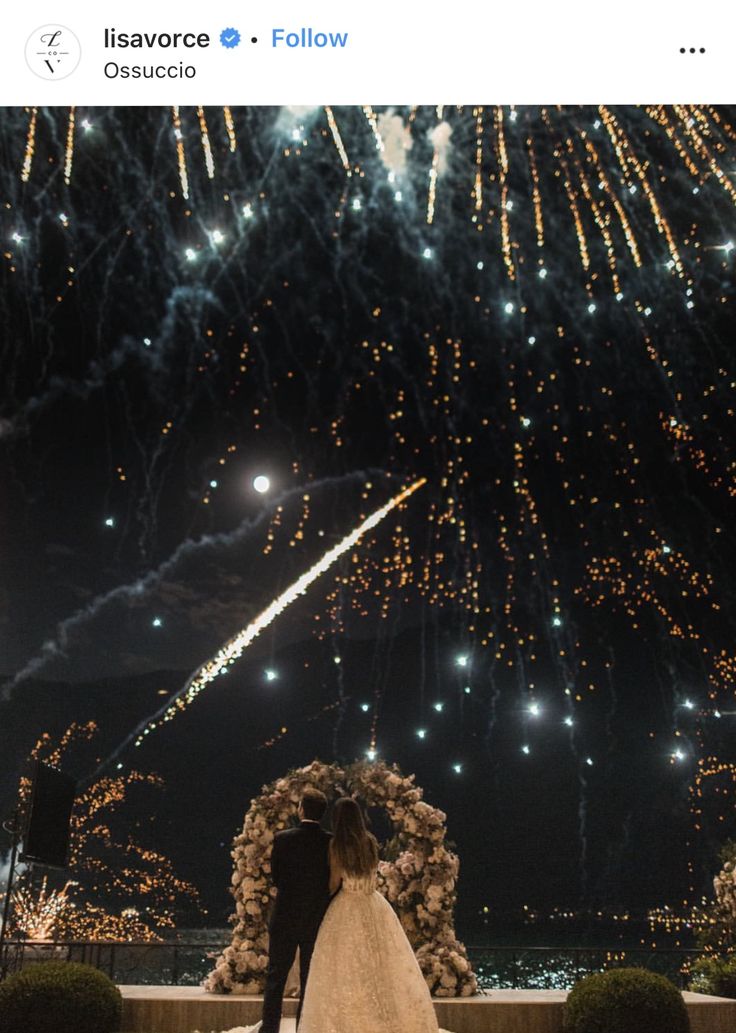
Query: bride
column 364, row 977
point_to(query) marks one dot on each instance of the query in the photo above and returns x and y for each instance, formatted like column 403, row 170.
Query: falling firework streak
column 206, row 146
column 235, row 648
column 478, row 185
column 30, row 147
column 338, row 140
column 230, row 128
column 432, row 186
column 69, row 154
column 503, row 171
column 180, row 155
column 373, row 122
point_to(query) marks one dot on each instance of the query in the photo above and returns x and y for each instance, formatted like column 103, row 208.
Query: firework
column 119, row 888
column 36, row 916
column 534, row 304
column 234, row 649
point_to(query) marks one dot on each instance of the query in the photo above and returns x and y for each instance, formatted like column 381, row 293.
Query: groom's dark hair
column 314, row 804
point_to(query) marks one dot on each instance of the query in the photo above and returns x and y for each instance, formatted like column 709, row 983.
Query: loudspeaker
column 46, row 839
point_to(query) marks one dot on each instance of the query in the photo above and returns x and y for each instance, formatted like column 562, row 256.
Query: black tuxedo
column 300, row 871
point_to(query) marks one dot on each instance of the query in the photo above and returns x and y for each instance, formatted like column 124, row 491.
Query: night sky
column 532, row 309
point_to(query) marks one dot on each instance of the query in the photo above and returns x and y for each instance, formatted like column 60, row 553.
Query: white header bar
column 568, row 52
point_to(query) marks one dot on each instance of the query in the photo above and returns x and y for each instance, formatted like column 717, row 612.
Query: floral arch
column 418, row 876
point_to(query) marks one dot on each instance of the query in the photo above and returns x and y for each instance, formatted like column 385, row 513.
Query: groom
column 301, row 874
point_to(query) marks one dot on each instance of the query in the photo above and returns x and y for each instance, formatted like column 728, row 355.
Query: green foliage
column 625, row 1000
column 715, row 974
column 59, row 997
column 727, row 852
column 717, row 933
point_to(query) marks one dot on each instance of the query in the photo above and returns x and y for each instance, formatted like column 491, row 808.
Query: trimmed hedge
column 59, row 997
column 715, row 975
column 625, row 1000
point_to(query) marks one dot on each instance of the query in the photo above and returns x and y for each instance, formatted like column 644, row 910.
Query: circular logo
column 53, row 52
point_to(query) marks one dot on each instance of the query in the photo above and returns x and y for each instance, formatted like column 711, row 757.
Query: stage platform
column 183, row 1009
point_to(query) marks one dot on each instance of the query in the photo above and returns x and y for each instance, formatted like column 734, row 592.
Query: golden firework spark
column 36, row 916
column 230, row 128
column 180, row 155
column 503, row 171
column 209, row 161
column 432, row 186
column 332, row 123
column 30, row 147
column 110, row 874
column 69, row 155
column 373, row 123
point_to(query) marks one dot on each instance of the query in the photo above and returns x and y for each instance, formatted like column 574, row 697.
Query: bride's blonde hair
column 353, row 847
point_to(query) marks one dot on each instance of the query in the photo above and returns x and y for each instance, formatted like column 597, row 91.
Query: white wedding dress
column 364, row 977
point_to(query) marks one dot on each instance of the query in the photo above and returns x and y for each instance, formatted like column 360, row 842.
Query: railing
column 558, row 968
column 186, row 964
column 129, row 962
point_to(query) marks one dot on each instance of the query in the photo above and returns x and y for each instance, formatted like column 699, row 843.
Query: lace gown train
column 364, row 977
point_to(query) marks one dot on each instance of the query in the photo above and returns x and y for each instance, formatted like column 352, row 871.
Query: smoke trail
column 440, row 140
column 294, row 117
column 55, row 646
column 236, row 646
column 153, row 355
column 397, row 141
